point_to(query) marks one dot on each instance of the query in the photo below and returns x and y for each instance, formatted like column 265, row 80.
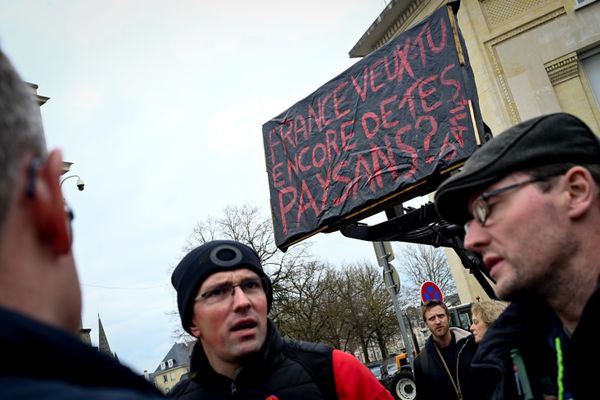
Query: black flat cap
column 205, row 260
column 548, row 139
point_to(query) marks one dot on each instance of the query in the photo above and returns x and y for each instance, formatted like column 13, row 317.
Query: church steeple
column 103, row 345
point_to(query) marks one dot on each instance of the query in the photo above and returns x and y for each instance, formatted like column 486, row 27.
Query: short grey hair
column 21, row 130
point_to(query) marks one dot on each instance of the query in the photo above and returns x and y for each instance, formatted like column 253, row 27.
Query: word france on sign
column 405, row 115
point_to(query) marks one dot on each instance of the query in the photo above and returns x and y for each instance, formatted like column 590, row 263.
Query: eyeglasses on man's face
column 481, row 210
column 251, row 287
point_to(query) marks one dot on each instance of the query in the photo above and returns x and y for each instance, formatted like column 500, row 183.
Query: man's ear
column 579, row 185
column 195, row 331
column 49, row 207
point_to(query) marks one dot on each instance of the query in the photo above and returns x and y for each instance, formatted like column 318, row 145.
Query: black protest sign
column 398, row 116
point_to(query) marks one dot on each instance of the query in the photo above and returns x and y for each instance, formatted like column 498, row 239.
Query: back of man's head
column 38, row 276
column 20, row 130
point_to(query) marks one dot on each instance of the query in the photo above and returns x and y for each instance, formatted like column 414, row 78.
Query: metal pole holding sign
column 384, row 254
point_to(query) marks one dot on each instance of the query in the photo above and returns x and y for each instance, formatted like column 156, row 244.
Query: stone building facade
column 529, row 57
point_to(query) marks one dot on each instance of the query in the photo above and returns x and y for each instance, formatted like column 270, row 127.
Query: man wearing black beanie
column 223, row 297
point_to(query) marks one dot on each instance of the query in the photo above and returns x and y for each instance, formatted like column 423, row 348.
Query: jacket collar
column 201, row 370
column 59, row 356
column 519, row 321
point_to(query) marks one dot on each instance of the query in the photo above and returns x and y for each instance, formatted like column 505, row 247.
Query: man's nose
column 476, row 237
column 240, row 299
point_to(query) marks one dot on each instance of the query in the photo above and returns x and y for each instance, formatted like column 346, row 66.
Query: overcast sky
column 159, row 105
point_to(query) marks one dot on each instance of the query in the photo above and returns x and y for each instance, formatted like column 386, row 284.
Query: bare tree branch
column 422, row 263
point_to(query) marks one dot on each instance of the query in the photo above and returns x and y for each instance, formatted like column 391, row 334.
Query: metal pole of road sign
column 383, row 258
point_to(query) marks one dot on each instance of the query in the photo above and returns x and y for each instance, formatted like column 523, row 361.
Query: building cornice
column 385, row 26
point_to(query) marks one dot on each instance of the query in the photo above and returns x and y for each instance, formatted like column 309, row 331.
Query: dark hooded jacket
column 431, row 377
column 41, row 362
column 531, row 329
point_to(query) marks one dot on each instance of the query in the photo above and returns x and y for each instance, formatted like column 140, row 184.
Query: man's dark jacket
column 529, row 326
column 41, row 362
column 431, row 378
column 282, row 368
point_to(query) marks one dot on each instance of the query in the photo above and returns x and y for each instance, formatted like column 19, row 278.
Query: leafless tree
column 420, row 263
column 246, row 224
column 368, row 308
column 304, row 308
column 346, row 307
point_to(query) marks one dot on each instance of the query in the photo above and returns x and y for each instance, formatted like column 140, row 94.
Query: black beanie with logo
column 205, row 260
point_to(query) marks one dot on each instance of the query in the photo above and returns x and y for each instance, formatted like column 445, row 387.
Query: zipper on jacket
column 459, row 391
column 233, row 382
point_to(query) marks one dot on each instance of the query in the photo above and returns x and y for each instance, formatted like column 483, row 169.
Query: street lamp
column 80, row 182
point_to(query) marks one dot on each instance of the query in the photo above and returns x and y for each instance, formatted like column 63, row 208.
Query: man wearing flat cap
column 529, row 203
column 224, row 296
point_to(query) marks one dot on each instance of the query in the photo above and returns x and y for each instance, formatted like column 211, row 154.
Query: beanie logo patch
column 226, row 256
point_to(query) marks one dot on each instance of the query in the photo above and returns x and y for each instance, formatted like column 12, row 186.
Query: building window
column 173, row 376
column 582, row 3
column 162, row 365
column 165, row 378
column 590, row 62
column 170, row 363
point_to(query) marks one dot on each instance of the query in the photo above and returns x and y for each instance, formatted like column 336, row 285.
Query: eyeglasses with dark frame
column 251, row 288
column 481, row 210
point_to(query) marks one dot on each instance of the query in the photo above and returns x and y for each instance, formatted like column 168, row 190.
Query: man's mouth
column 244, row 325
column 491, row 262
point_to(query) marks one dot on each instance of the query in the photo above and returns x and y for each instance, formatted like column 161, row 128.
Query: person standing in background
column 442, row 369
column 483, row 314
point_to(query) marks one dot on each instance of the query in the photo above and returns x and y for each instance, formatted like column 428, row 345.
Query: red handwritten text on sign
column 395, row 117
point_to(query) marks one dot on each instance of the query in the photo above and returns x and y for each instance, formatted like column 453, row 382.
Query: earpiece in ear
column 33, row 166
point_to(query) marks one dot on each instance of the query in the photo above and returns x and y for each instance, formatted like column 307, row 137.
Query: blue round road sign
column 431, row 291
